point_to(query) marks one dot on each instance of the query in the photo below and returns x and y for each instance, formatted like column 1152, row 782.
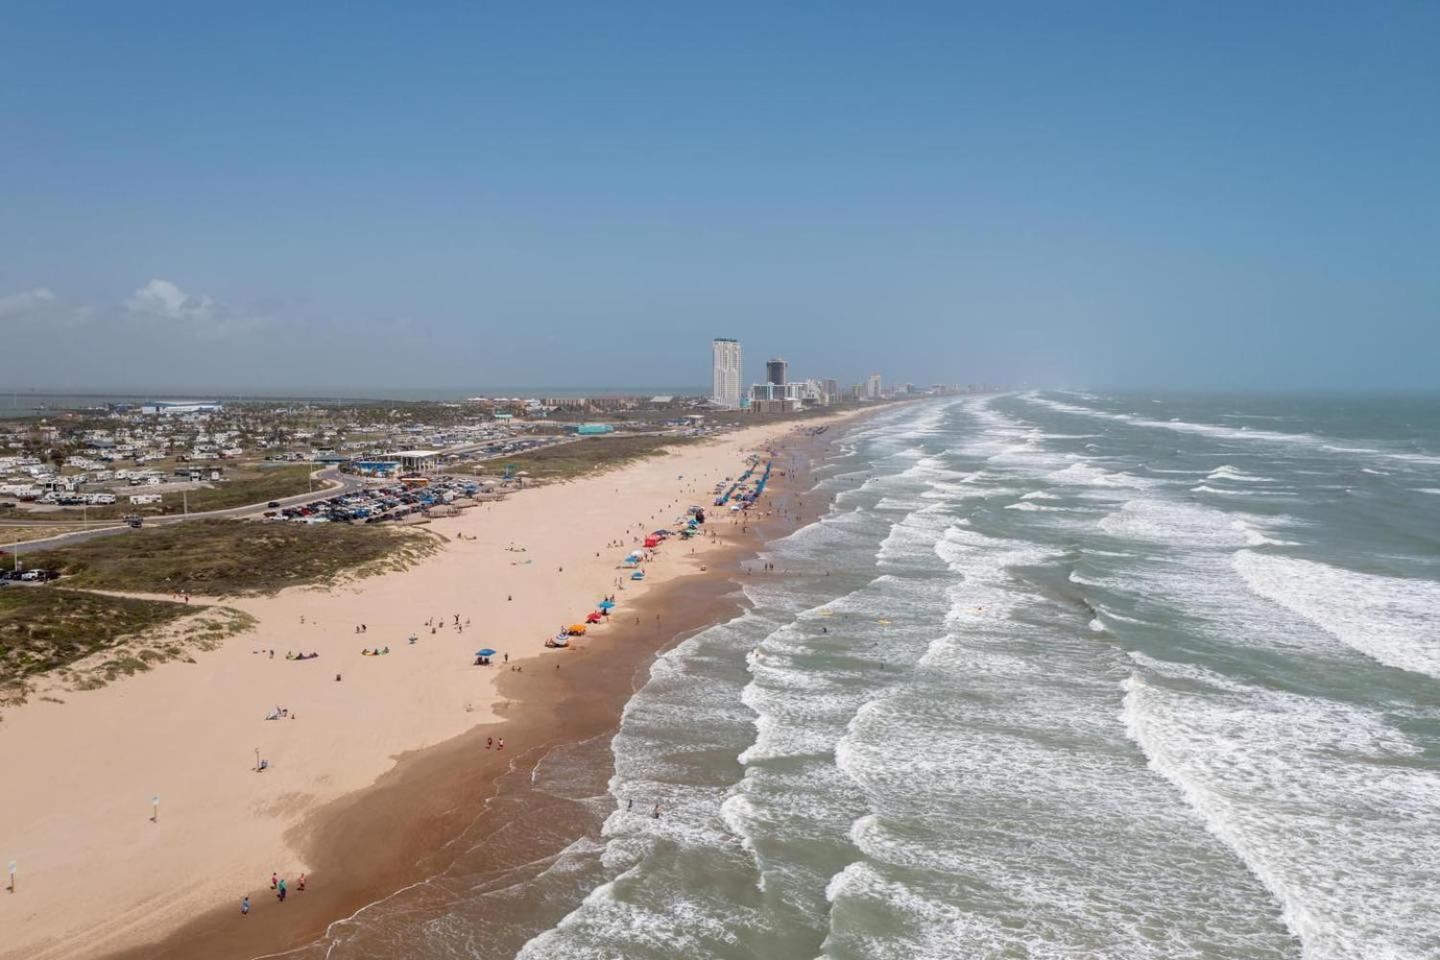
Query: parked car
column 273, row 504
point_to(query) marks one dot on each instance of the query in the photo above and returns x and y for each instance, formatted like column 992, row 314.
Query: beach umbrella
column 487, row 652
column 607, row 604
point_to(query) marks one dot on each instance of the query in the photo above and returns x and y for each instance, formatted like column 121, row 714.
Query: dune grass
column 567, row 461
column 226, row 557
column 42, row 628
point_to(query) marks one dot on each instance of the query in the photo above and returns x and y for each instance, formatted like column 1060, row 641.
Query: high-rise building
column 872, row 386
column 777, row 371
column 725, row 354
column 832, row 390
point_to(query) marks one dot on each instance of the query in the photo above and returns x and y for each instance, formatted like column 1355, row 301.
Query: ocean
column 1057, row 675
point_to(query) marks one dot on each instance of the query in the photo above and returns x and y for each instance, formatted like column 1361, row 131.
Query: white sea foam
column 1206, row 488
column 1393, row 620
column 1084, row 474
column 1174, row 523
column 1309, row 794
column 1227, row 472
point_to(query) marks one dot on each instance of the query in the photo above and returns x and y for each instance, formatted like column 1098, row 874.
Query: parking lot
column 391, row 502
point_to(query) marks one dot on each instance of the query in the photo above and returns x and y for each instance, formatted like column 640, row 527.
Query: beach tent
column 595, row 617
column 638, row 575
column 577, row 629
column 652, row 541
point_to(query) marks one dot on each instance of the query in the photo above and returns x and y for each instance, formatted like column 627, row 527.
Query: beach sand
column 371, row 776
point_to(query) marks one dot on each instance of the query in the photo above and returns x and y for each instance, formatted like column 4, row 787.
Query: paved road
column 332, row 480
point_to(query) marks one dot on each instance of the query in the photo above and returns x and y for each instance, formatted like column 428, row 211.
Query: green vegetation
column 12, row 533
column 42, row 628
column 218, row 557
column 245, row 485
column 569, row 460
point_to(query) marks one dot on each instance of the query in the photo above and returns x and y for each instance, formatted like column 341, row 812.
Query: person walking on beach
column 500, row 744
column 244, row 906
column 274, row 880
column 281, row 891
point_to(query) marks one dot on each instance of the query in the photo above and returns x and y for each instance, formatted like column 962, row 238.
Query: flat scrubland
column 231, row 557
column 11, row 533
column 567, row 461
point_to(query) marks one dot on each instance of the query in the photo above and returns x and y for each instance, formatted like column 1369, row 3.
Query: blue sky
column 270, row 195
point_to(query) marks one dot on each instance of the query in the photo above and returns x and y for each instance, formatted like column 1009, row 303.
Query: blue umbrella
column 487, row 652
column 606, row 604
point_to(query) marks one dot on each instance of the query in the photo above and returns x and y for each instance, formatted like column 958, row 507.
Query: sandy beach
column 100, row 872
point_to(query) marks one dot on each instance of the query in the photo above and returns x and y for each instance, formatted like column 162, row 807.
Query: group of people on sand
column 281, row 888
column 377, row 652
column 312, row 655
column 435, row 623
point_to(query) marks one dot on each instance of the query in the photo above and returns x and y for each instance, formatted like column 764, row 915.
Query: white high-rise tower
column 726, row 388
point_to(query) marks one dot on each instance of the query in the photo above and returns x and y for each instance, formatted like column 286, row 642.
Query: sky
column 274, row 196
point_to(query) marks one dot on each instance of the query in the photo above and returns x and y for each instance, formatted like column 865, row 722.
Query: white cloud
column 163, row 303
column 163, row 299
column 26, row 302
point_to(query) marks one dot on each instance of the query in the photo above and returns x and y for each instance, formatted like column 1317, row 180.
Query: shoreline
column 361, row 845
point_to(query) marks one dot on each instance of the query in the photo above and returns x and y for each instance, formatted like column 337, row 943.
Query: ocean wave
column 1227, row 472
column 1307, row 793
column 1172, row 523
column 1389, row 619
column 1084, row 474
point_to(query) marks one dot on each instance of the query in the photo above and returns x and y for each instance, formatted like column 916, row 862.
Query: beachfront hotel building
column 725, row 391
column 873, row 387
column 775, row 397
column 777, row 370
